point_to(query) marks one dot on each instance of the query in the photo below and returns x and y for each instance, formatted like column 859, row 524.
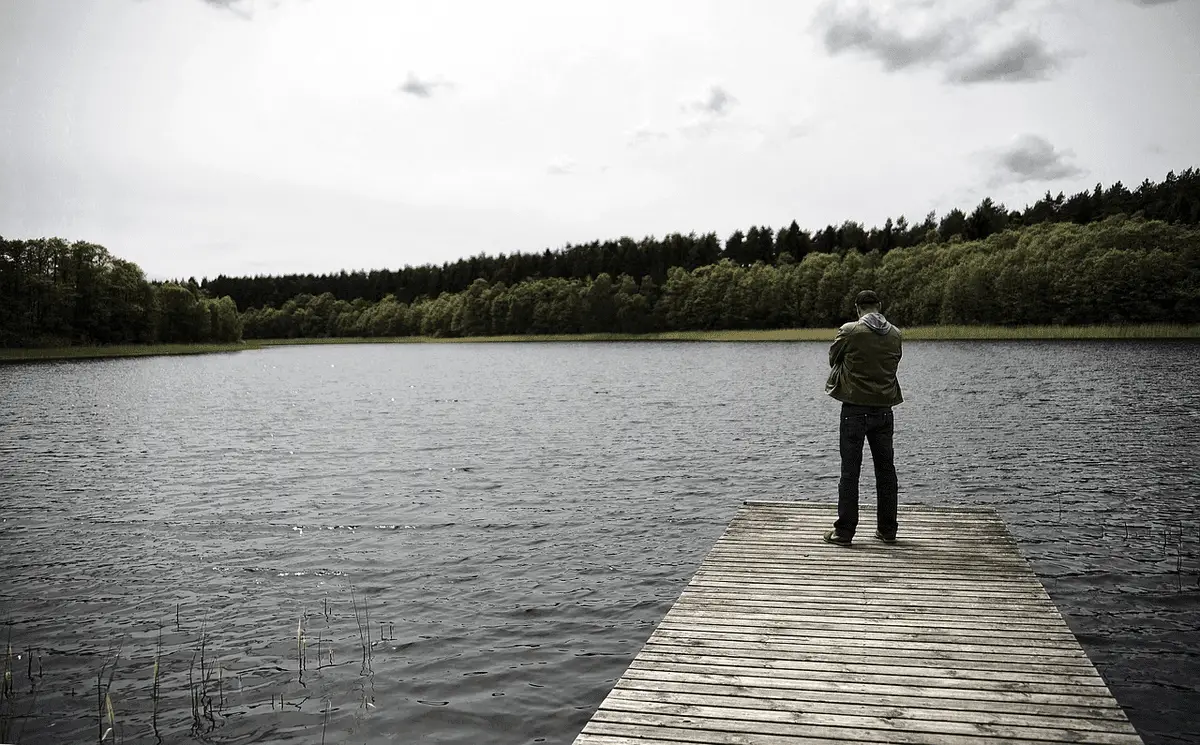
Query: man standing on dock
column 864, row 358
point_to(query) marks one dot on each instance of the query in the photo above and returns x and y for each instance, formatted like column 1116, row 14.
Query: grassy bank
column 1000, row 333
column 748, row 335
column 919, row 333
column 118, row 350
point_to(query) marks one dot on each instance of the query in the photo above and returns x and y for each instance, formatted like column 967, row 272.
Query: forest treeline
column 1174, row 200
column 55, row 293
column 1080, row 260
column 1119, row 270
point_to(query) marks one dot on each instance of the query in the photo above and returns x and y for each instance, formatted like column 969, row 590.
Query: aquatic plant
column 7, row 708
column 154, row 689
column 301, row 644
column 104, row 698
column 364, row 632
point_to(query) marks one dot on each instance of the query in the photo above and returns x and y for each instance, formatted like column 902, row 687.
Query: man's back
column 863, row 362
column 864, row 358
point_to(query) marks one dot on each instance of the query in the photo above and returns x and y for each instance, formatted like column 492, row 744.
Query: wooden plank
column 943, row 637
column 1029, row 634
column 959, row 706
column 863, row 648
column 806, row 665
column 862, row 559
column 905, row 637
column 804, row 724
column 868, row 563
column 854, row 653
column 848, row 620
column 930, row 618
column 904, row 577
column 837, row 585
column 799, row 597
column 867, row 584
column 894, row 573
column 1076, row 719
column 879, row 591
column 763, row 680
column 1065, row 687
column 857, row 606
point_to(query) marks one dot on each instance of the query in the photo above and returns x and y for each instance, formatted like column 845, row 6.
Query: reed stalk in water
column 7, row 707
column 301, row 644
column 325, row 724
column 364, row 631
column 201, row 701
column 154, row 689
column 104, row 699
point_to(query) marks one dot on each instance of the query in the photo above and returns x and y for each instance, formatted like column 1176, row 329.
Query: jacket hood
column 877, row 323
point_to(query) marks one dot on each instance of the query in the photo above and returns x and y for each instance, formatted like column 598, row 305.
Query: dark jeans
column 875, row 425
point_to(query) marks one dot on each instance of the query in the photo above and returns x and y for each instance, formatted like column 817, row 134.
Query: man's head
column 867, row 302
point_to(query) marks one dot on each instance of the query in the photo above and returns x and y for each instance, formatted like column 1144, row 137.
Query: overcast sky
column 205, row 137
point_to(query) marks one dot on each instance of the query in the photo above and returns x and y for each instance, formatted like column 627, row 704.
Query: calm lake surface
column 507, row 523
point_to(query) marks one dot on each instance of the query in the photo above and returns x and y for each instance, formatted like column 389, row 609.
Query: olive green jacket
column 863, row 361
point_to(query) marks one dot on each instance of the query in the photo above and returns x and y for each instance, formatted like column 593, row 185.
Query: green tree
column 599, row 312
column 953, row 224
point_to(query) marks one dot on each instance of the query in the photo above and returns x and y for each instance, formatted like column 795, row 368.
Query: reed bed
column 157, row 683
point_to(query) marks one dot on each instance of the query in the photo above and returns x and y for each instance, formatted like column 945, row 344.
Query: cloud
column 939, row 34
column 717, row 103
column 797, row 131
column 1024, row 58
column 1150, row 3
column 703, row 116
column 861, row 31
column 1032, row 158
column 561, row 167
column 414, row 86
column 707, row 113
column 714, row 117
column 233, row 6
column 646, row 134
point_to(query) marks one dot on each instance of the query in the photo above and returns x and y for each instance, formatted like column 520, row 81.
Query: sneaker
column 885, row 538
column 837, row 539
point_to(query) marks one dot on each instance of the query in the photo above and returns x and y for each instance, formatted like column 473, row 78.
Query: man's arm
column 837, row 350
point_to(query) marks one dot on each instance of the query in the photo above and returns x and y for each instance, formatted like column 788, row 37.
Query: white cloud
column 717, row 103
column 561, row 167
column 968, row 42
column 415, row 86
column 1030, row 157
column 1024, row 57
column 645, row 134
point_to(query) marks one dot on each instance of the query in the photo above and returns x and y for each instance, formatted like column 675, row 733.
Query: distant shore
column 917, row 333
column 37, row 354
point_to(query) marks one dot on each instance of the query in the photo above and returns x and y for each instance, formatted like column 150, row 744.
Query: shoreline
column 116, row 351
column 1148, row 332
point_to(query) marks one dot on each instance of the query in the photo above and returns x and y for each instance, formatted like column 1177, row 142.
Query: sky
column 244, row 137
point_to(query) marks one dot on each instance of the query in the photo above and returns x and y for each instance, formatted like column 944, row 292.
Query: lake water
column 507, row 523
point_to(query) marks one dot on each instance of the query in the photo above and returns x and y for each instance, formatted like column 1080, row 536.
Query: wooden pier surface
column 945, row 636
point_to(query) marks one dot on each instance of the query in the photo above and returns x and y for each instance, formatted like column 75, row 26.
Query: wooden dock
column 945, row 636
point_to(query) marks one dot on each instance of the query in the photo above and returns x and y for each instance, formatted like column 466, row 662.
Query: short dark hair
column 866, row 297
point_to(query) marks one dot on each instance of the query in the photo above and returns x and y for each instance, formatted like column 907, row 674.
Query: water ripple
column 469, row 543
